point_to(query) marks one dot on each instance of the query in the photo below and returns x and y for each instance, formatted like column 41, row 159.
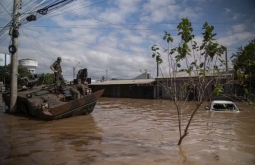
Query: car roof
column 222, row 102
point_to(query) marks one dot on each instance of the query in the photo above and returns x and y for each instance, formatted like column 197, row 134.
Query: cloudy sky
column 114, row 37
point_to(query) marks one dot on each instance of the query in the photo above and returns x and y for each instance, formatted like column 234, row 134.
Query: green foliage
column 244, row 62
column 244, row 65
column 167, row 37
column 185, row 31
column 48, row 78
column 218, row 90
column 156, row 54
column 5, row 73
column 23, row 72
column 209, row 48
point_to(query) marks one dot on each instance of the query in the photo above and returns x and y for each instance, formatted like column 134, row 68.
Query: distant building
column 144, row 75
column 143, row 86
column 30, row 64
column 5, row 59
column 138, row 88
column 212, row 77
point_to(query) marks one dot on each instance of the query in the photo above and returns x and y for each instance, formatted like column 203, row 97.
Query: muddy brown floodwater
column 130, row 131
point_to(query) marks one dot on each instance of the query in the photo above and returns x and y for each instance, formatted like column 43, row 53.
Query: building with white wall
column 30, row 64
column 5, row 59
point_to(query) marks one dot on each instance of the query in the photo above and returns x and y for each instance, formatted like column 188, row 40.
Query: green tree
column 5, row 73
column 200, row 62
column 48, row 78
column 23, row 72
column 244, row 65
column 244, row 61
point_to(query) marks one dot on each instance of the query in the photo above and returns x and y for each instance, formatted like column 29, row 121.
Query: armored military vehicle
column 51, row 102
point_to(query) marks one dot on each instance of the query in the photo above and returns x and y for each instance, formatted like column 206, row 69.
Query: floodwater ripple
column 130, row 131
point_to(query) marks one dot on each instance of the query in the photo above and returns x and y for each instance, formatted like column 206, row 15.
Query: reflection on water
column 129, row 131
column 55, row 142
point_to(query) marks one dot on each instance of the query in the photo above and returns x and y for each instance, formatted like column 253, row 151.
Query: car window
column 223, row 107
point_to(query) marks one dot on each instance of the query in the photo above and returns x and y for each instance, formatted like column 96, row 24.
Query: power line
column 5, row 9
column 139, row 29
column 3, row 38
column 51, row 15
column 68, row 40
column 38, row 45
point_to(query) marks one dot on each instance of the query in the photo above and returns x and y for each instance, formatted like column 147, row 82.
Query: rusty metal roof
column 121, row 82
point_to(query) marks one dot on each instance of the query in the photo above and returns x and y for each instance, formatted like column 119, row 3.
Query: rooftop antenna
column 106, row 78
column 145, row 73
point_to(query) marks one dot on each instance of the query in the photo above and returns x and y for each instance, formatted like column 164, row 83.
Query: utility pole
column 157, row 68
column 74, row 68
column 73, row 72
column 226, row 58
column 106, row 74
column 13, row 49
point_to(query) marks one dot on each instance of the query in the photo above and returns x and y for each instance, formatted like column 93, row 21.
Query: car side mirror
column 207, row 108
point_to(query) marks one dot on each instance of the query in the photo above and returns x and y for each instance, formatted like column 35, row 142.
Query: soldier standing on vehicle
column 56, row 68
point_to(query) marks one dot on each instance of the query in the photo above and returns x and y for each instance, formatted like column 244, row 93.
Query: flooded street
column 129, row 131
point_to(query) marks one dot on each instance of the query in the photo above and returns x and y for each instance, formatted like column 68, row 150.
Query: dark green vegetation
column 244, row 65
column 244, row 62
column 5, row 73
column 48, row 78
column 5, row 76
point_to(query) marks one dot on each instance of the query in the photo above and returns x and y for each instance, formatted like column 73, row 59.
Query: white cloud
column 227, row 10
column 236, row 16
column 116, row 36
column 157, row 11
column 236, row 38
column 119, row 11
column 239, row 28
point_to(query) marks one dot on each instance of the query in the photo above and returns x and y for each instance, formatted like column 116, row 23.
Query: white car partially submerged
column 222, row 105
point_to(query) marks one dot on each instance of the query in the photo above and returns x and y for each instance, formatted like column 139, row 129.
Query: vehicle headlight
column 45, row 106
column 28, row 95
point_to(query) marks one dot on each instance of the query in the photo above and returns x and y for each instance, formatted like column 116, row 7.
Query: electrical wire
column 82, row 42
column 2, row 39
column 75, row 8
column 5, row 17
column 50, row 13
column 120, row 28
column 37, row 44
column 30, row 9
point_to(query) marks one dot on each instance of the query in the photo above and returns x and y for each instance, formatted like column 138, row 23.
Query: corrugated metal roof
column 183, row 74
column 120, row 82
